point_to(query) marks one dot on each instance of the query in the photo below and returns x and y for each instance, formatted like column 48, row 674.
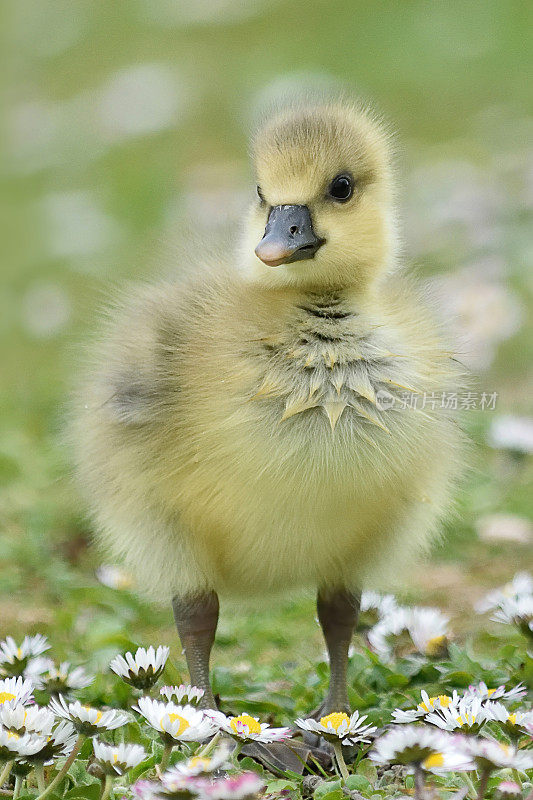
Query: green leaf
column 279, row 785
column 336, row 794
column 90, row 791
column 368, row 770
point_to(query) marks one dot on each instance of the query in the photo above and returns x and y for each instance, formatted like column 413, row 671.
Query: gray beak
column 289, row 236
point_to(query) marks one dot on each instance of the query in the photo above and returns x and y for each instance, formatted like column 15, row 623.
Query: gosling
column 259, row 423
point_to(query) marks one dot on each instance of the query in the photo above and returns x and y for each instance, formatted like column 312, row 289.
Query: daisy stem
column 18, row 786
column 165, row 757
column 107, row 787
column 6, row 772
column 419, row 782
column 39, row 775
column 483, row 781
column 337, row 747
column 236, row 752
column 209, row 747
column 64, row 769
column 471, row 788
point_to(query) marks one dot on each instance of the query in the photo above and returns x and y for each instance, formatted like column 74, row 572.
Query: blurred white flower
column 114, row 577
column 512, row 433
column 521, row 585
column 45, row 310
column 199, row 12
column 517, row 611
column 339, row 726
column 411, row 745
column 76, row 225
column 63, row 678
column 87, row 720
column 482, row 691
column 14, row 658
column 143, row 669
column 424, row 630
column 184, row 694
column 117, row 759
column 504, row 528
column 489, row 754
column 513, row 722
column 485, row 313
column 200, row 765
column 175, row 723
column 247, row 728
column 140, row 100
column 374, row 607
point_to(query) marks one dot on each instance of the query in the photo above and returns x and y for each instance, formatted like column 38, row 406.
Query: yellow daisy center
column 490, row 691
column 335, row 720
column 198, row 761
column 6, row 696
column 13, row 735
column 253, row 725
column 512, row 719
column 435, row 645
column 443, row 699
column 434, row 760
column 183, row 723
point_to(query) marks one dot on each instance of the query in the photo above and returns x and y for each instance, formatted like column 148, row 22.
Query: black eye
column 341, row 188
column 260, row 194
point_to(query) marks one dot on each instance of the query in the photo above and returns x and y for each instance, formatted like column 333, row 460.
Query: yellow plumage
column 313, row 483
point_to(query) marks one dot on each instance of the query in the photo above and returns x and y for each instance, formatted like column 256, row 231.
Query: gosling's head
column 323, row 215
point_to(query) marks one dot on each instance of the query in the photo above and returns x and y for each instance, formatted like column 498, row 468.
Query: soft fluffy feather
column 230, row 436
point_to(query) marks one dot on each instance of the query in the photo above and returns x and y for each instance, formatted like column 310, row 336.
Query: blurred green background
column 125, row 129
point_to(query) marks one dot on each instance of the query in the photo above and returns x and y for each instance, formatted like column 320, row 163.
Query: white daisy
column 143, row 669
column 426, row 706
column 184, row 694
column 87, row 720
column 15, row 690
column 14, row 658
column 63, row 678
column 60, row 742
column 404, row 630
column 374, row 607
column 114, row 577
column 429, row 631
column 517, row 611
column 339, row 726
column 489, row 754
column 247, row 728
column 514, row 723
column 12, row 745
column 118, row 759
column 381, row 636
column 411, row 745
column 482, row 691
column 199, row 765
column 467, row 715
column 175, row 723
column 23, row 719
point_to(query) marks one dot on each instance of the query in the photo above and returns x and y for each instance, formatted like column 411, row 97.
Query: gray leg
column 196, row 620
column 337, row 614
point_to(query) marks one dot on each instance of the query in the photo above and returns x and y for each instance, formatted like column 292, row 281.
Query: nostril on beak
column 293, row 230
